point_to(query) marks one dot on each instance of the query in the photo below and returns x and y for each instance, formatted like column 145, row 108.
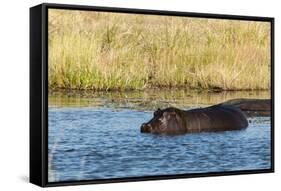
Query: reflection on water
column 151, row 99
column 97, row 136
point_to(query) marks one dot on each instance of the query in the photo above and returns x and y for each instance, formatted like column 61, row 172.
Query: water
column 102, row 140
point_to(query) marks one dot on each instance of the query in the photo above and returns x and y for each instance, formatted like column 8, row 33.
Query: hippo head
column 167, row 121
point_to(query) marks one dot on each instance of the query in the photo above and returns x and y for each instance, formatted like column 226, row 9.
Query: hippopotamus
column 252, row 107
column 173, row 121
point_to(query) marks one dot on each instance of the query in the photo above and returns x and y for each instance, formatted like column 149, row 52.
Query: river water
column 97, row 136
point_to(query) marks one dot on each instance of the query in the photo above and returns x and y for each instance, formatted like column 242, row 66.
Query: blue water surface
column 89, row 143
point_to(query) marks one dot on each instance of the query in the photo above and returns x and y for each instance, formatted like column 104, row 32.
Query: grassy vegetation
column 109, row 51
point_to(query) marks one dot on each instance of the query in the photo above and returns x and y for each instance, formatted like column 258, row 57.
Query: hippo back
column 252, row 107
column 215, row 118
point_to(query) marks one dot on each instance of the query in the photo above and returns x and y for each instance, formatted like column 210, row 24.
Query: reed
column 109, row 51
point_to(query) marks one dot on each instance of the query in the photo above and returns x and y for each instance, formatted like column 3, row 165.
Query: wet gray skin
column 173, row 121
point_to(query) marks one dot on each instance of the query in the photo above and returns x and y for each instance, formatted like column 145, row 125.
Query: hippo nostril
column 145, row 128
column 143, row 125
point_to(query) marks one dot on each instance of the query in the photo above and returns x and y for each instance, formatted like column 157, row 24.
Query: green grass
column 109, row 51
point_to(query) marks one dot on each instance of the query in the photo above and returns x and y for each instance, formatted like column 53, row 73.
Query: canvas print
column 138, row 95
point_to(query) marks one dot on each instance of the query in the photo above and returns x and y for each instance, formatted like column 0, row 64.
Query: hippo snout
column 145, row 128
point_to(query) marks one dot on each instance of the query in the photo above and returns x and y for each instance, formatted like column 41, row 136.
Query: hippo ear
column 157, row 111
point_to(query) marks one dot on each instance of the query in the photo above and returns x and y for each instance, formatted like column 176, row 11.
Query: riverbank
column 147, row 100
column 108, row 51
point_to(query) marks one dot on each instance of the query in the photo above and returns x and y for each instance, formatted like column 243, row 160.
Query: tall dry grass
column 108, row 51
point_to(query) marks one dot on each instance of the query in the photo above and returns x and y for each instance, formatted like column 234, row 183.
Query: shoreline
column 214, row 90
column 150, row 98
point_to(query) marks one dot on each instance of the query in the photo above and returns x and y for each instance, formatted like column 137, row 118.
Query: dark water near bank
column 98, row 137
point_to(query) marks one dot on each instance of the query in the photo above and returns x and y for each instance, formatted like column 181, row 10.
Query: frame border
column 42, row 160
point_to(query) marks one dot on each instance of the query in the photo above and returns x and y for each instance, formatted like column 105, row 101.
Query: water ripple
column 91, row 143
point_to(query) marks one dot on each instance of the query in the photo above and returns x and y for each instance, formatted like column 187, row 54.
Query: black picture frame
column 39, row 92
